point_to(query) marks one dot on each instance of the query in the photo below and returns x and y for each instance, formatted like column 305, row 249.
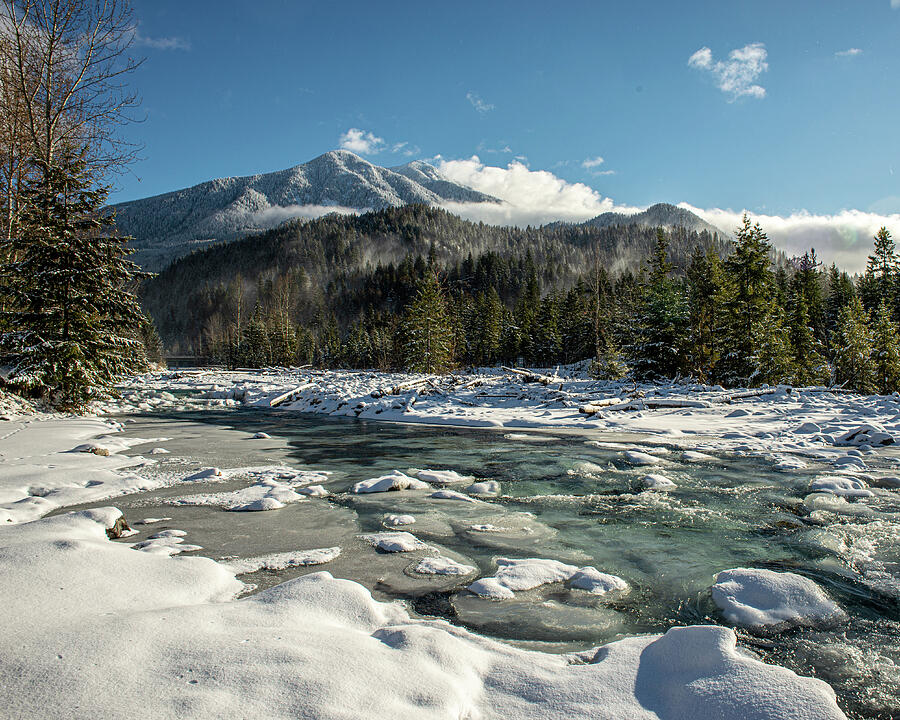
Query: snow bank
column 138, row 635
column 386, row 483
column 39, row 472
column 751, row 598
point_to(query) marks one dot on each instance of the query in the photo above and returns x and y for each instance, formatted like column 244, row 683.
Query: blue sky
column 785, row 107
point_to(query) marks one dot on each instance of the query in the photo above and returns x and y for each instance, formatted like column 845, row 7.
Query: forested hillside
column 331, row 275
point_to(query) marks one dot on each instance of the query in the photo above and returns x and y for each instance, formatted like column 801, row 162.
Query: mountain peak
column 167, row 226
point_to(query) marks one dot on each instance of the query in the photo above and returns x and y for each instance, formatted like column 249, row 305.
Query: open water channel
column 565, row 497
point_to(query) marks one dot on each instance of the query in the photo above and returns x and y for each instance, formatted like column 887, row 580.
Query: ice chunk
column 442, row 566
column 396, row 520
column 693, row 456
column 843, row 486
column 452, row 495
column 394, row 541
column 442, row 477
column 636, row 457
column 392, row 481
column 282, row 561
column 523, row 574
column 657, row 482
column 485, row 487
column 596, row 582
column 753, row 597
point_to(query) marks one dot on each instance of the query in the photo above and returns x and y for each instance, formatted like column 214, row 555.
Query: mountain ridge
column 172, row 224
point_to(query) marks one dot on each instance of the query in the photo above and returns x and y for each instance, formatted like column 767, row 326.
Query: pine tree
column 771, row 354
column 546, row 339
column 807, row 324
column 885, row 350
column 853, row 365
column 71, row 323
column 427, row 335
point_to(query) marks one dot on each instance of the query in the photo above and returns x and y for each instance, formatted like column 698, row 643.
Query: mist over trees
column 417, row 288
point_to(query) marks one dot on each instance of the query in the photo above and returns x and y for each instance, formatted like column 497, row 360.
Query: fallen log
column 290, row 395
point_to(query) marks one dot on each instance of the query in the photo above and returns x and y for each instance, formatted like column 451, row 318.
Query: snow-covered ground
column 93, row 627
column 786, row 425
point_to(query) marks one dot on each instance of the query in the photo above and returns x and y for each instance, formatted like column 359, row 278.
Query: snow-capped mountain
column 659, row 215
column 170, row 225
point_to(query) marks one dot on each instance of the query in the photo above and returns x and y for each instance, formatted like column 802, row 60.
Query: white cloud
column 592, row 162
column 850, row 52
column 844, row 238
column 529, row 197
column 277, row 214
column 161, row 43
column 359, row 141
column 405, row 149
column 479, row 104
column 736, row 76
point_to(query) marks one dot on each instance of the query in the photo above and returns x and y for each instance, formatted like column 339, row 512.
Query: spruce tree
column 546, row 339
column 885, row 350
column 705, row 313
column 427, row 335
column 662, row 319
column 748, row 303
column 256, row 348
column 853, row 364
column 72, row 324
column 879, row 284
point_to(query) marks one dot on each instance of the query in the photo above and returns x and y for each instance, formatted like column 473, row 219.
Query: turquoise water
column 565, row 499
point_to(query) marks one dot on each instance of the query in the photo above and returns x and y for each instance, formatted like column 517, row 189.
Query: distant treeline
column 651, row 303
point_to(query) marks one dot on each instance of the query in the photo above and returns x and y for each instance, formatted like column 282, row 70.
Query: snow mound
column 753, row 598
column 638, row 458
column 204, row 474
column 657, row 482
column 261, row 436
column 314, row 491
column 282, row 561
column 394, row 541
column 268, row 494
column 452, row 495
column 865, row 435
column 390, row 482
column 442, row 566
column 485, row 487
column 442, row 477
column 843, row 486
column 397, row 520
column 694, row 456
column 596, row 582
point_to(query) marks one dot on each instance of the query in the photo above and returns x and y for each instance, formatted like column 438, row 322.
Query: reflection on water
column 566, row 500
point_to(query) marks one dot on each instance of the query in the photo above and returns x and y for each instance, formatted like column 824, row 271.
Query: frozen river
column 564, row 497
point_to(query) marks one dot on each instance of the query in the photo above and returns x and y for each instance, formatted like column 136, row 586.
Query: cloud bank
column 844, row 238
column 737, row 76
column 530, row 197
